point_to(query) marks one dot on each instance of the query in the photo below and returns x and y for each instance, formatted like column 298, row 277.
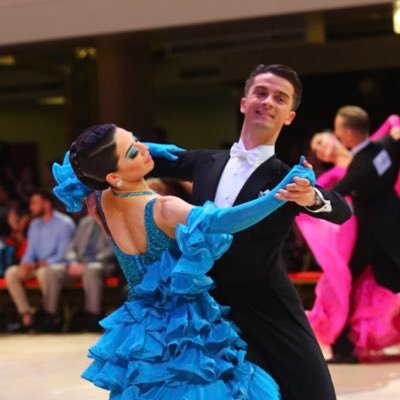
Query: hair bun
column 76, row 166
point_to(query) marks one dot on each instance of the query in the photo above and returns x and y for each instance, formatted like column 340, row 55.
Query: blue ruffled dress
column 170, row 340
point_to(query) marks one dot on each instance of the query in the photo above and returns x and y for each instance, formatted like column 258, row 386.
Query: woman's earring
column 119, row 182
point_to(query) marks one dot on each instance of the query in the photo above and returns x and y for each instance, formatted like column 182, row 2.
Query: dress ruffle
column 173, row 341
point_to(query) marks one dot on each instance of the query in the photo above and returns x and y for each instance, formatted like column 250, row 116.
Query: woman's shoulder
column 172, row 210
column 170, row 204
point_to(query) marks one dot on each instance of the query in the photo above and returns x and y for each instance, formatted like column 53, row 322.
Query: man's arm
column 30, row 255
column 107, row 252
column 339, row 210
column 63, row 239
column 181, row 169
column 362, row 174
column 315, row 201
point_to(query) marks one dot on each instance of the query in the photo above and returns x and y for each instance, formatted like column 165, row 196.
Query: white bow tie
column 252, row 157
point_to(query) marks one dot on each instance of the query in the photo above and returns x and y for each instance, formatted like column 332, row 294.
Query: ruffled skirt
column 173, row 341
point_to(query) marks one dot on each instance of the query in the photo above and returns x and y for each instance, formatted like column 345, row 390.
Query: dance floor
column 48, row 367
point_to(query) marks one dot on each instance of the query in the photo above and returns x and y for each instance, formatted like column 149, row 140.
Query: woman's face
column 324, row 146
column 134, row 159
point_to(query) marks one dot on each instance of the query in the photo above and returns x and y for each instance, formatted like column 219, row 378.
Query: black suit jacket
column 252, row 281
column 377, row 209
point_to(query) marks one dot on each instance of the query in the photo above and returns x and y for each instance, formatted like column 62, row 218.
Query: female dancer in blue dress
column 170, row 339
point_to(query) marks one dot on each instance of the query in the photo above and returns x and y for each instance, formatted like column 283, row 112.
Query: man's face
column 342, row 132
column 36, row 205
column 268, row 105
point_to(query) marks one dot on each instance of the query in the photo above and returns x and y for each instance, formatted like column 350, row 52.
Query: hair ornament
column 70, row 190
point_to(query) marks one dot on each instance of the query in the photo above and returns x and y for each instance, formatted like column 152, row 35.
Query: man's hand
column 42, row 263
column 167, row 151
column 76, row 269
column 25, row 270
column 300, row 191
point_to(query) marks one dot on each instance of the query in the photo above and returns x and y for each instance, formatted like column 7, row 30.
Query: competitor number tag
column 382, row 162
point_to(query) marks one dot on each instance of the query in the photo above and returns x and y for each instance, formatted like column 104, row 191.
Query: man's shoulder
column 277, row 165
column 35, row 222
column 208, row 152
column 63, row 218
column 87, row 220
column 366, row 154
column 372, row 147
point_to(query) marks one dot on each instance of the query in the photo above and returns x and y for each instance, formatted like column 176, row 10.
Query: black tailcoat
column 252, row 281
column 377, row 209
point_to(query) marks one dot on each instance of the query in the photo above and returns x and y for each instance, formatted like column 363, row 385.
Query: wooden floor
column 48, row 367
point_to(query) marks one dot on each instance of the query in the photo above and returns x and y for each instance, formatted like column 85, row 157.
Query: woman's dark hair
column 93, row 155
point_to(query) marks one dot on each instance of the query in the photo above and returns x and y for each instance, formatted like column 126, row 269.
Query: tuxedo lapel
column 263, row 178
column 208, row 185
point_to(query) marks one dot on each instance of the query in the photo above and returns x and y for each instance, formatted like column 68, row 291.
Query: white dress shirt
column 238, row 169
column 360, row 146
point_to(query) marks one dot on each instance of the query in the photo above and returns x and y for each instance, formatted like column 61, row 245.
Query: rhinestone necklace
column 133, row 194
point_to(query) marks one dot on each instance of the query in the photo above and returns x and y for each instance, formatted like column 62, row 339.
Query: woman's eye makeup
column 132, row 152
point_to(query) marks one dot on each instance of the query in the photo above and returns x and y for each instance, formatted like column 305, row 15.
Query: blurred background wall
column 174, row 71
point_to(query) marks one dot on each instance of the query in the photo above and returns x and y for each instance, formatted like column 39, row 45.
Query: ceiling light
column 7, row 61
column 85, row 52
column 396, row 16
column 52, row 101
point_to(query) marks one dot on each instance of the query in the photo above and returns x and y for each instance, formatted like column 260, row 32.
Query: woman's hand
column 300, row 191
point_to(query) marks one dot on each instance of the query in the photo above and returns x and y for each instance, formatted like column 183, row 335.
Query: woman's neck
column 343, row 157
column 132, row 187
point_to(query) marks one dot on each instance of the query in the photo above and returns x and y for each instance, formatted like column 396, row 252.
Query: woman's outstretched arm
column 237, row 218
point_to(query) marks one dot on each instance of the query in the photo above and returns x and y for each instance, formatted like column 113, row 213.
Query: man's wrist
column 320, row 204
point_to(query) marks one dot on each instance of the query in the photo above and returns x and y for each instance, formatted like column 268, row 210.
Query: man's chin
column 262, row 126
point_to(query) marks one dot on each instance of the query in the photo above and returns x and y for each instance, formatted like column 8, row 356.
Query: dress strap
column 101, row 213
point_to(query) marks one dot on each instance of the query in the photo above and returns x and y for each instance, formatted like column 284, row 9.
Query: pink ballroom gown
column 375, row 311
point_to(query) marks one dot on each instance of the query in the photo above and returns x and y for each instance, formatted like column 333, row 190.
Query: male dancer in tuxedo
column 250, row 277
column 370, row 181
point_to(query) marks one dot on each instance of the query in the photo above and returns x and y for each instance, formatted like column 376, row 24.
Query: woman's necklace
column 133, row 194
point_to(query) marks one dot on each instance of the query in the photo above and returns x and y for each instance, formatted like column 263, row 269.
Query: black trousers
column 279, row 337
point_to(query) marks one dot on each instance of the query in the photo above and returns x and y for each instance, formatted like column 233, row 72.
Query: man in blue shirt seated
column 48, row 237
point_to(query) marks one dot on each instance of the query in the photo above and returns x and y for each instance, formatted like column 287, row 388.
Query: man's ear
column 290, row 118
column 243, row 102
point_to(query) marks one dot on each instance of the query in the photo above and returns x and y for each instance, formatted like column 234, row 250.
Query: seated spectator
column 13, row 245
column 89, row 256
column 49, row 234
column 27, row 182
column 7, row 202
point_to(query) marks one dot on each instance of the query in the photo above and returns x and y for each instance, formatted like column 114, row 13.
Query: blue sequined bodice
column 134, row 265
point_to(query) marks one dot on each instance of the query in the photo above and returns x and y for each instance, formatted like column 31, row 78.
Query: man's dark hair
column 355, row 118
column 282, row 71
column 45, row 195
